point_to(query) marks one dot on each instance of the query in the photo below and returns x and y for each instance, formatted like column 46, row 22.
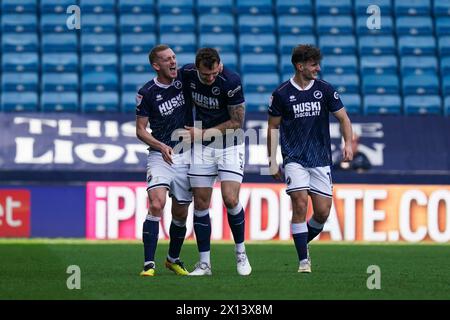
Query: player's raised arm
column 146, row 137
column 346, row 131
column 272, row 145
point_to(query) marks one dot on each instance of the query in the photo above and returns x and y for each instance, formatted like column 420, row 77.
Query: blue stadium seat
column 98, row 23
column 418, row 65
column 135, row 63
column 335, row 25
column 288, row 42
column 424, row 84
column 19, row 23
column 55, row 6
column 380, row 84
column 443, row 26
column 295, row 25
column 347, row 64
column 362, row 5
column 27, row 101
column 286, row 66
column 92, row 62
column 441, row 8
column 136, row 43
column 264, row 63
column 180, row 42
column 137, row 23
column 175, row 6
column 216, row 23
column 386, row 27
column 257, row 101
column 105, row 43
column 99, row 102
column 377, row 45
column 260, row 82
column 59, row 102
column 410, row 25
column 352, row 103
column 412, row 8
column 53, row 23
column 128, row 102
column 98, row 6
column 18, row 6
column 373, row 65
column 225, row 42
column 256, row 24
column 338, row 44
column 422, row 104
column 99, row 81
column 447, row 106
column 20, row 82
column 58, row 43
column 22, row 42
column 445, row 65
column 257, row 43
column 60, row 62
column 20, row 62
column 334, row 7
column 230, row 60
column 382, row 104
column 185, row 58
column 254, row 6
column 444, row 46
column 134, row 81
column 446, row 85
column 214, row 6
column 343, row 83
column 59, row 82
column 298, row 7
column 183, row 23
column 136, row 6
column 416, row 45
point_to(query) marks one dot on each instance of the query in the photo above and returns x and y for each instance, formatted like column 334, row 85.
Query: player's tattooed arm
column 237, row 115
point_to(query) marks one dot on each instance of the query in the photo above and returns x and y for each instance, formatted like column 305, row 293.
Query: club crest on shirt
column 177, row 84
column 215, row 91
column 318, row 94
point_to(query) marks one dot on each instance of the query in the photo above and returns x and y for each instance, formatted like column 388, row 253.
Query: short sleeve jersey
column 211, row 101
column 166, row 108
column 305, row 127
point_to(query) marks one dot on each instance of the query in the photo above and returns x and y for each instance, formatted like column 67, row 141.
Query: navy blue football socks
column 202, row 229
column 150, row 232
column 177, row 235
column 237, row 225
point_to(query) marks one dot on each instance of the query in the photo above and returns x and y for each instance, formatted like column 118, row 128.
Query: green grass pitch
column 36, row 269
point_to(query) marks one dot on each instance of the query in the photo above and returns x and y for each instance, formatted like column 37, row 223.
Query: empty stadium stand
column 400, row 66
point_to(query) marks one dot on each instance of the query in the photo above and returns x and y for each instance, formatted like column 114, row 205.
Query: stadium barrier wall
column 116, row 210
column 80, row 146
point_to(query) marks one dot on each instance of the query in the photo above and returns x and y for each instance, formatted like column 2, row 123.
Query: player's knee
column 230, row 201
column 156, row 206
column 321, row 216
column 201, row 204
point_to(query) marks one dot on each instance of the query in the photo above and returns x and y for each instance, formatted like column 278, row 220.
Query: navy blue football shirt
column 211, row 101
column 305, row 126
column 166, row 108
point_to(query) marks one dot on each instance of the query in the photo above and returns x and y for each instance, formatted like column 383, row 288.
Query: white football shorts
column 315, row 180
column 209, row 163
column 173, row 177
